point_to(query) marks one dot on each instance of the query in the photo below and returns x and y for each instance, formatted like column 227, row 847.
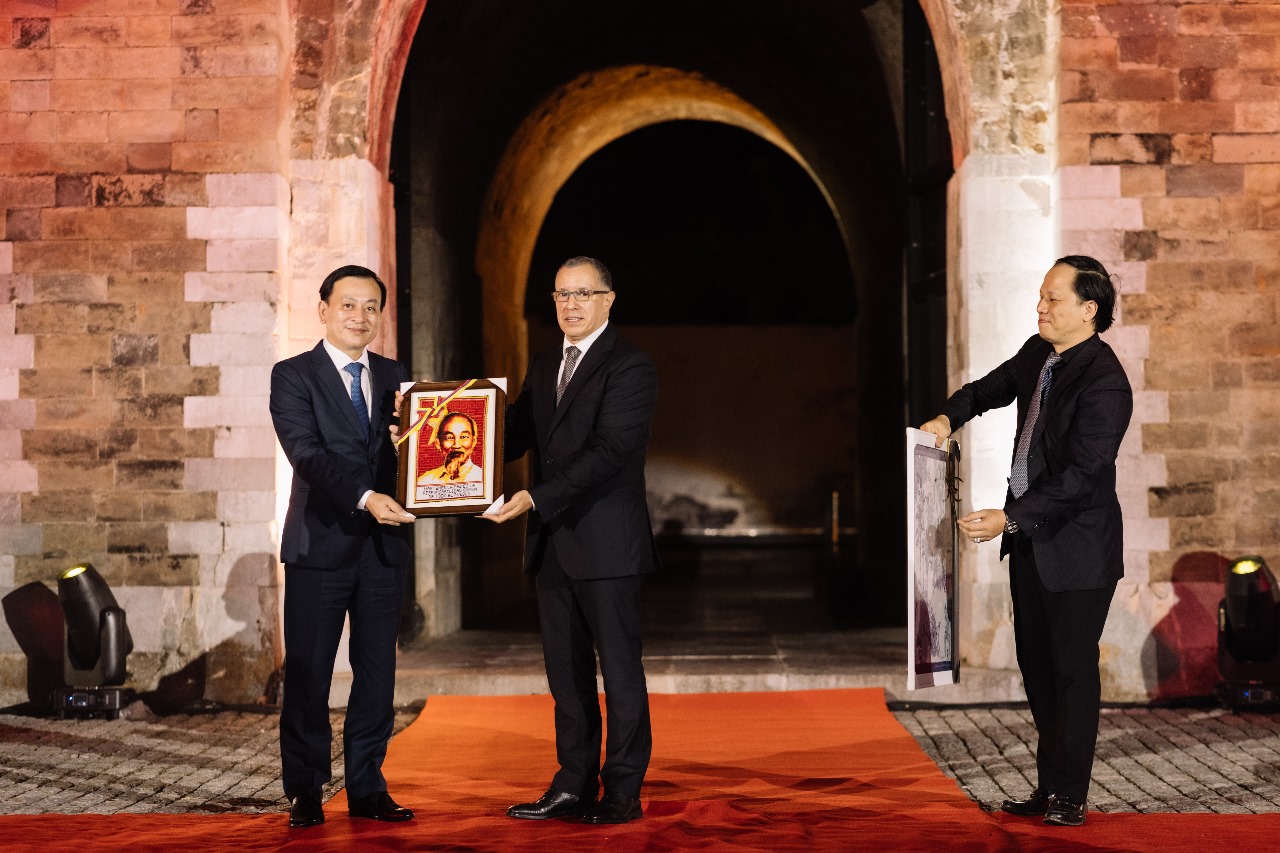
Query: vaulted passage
column 742, row 175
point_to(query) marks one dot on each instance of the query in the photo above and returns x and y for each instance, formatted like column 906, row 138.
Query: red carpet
column 810, row 771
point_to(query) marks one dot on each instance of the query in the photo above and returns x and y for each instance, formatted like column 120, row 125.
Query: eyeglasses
column 578, row 295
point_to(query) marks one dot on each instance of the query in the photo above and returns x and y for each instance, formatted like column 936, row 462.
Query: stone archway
column 572, row 124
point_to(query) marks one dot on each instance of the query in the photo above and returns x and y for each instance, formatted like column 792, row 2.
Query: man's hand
column 983, row 525
column 520, row 503
column 385, row 510
column 939, row 426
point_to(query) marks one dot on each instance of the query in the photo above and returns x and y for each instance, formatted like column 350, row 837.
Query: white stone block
column 18, row 351
column 252, row 538
column 9, row 383
column 253, row 442
column 1142, row 470
column 232, row 223
column 245, row 381
column 247, row 506
column 218, row 349
column 1106, row 246
column 225, row 411
column 8, row 576
column 1129, row 342
column 1146, row 534
column 255, row 569
column 18, row 476
column 1151, row 407
column 1085, row 214
column 244, row 255
column 196, row 537
column 1130, row 276
column 216, row 475
column 247, row 189
column 155, row 615
column 6, row 258
column 231, row 287
column 243, row 318
column 10, row 444
column 1089, row 181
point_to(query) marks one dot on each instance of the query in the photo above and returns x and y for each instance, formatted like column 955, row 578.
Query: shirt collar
column 585, row 344
column 341, row 359
column 1066, row 354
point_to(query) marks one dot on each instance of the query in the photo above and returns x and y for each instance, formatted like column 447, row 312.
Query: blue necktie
column 357, row 398
column 1018, row 483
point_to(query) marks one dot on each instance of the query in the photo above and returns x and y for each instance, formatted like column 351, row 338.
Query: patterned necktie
column 357, row 397
column 1018, row 476
column 570, row 361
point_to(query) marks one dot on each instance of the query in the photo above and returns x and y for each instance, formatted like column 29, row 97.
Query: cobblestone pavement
column 227, row 761
column 1149, row 760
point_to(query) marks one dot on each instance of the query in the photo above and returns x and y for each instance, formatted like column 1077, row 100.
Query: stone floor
column 748, row 623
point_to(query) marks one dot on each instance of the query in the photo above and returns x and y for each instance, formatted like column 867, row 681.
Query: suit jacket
column 588, row 459
column 1070, row 509
column 332, row 465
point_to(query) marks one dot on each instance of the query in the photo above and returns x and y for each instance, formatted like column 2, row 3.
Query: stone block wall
column 1170, row 147
column 142, row 242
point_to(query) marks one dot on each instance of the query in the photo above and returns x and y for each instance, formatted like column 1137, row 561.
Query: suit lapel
column 591, row 362
column 1062, row 379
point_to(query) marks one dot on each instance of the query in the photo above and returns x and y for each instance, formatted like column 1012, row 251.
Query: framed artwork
column 451, row 446
column 933, row 655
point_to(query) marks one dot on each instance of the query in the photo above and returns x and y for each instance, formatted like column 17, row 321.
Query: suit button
column 550, row 461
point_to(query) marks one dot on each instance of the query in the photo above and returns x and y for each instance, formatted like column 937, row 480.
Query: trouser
column 1057, row 636
column 579, row 617
column 316, row 603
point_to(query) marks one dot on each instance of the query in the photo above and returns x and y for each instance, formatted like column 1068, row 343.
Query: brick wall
column 1177, row 108
column 142, row 241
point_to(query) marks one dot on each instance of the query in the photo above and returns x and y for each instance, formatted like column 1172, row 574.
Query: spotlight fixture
column 1248, row 643
column 96, row 646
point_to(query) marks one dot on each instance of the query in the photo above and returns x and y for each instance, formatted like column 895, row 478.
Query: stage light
column 1248, row 643
column 97, row 645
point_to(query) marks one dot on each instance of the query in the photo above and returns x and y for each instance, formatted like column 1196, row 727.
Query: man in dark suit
column 1061, row 520
column 585, row 411
column 344, row 550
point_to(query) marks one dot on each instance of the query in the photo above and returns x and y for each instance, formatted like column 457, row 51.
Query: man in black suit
column 344, row 550
column 585, row 411
column 1061, row 520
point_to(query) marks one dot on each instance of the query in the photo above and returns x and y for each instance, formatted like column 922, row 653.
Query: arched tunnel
column 751, row 182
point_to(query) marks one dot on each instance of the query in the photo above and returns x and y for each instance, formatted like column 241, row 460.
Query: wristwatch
column 1010, row 526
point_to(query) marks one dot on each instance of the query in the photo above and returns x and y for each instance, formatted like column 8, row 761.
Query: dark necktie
column 570, row 361
column 1018, row 476
column 357, row 398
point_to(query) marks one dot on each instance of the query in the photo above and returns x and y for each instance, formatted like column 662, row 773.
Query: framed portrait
column 933, row 654
column 451, row 446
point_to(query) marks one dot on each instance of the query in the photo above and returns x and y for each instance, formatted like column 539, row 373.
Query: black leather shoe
column 614, row 808
column 1064, row 812
column 1036, row 804
column 305, row 810
column 552, row 804
column 378, row 806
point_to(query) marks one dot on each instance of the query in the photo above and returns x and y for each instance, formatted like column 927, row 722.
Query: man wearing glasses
column 585, row 411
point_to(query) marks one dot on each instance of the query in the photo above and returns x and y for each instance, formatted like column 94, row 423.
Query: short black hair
column 1093, row 284
column 351, row 271
column 583, row 261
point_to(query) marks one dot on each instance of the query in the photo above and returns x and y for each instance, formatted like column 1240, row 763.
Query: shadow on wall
column 240, row 670
column 1180, row 657
column 35, row 618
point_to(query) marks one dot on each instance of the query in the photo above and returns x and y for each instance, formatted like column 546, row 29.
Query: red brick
column 27, row 192
column 1143, row 148
column 181, row 320
column 1240, row 214
column 51, row 318
column 1081, row 22
column 201, row 126
column 1145, row 19
column 248, row 124
column 118, row 506
column 112, row 317
column 1269, row 212
column 1205, row 180
column 184, row 255
column 136, row 7
column 1258, row 118
column 73, row 191
column 1251, row 19
column 1195, row 84
column 57, row 505
column 257, row 156
column 1262, row 179
column 1081, row 54
column 1256, row 245
column 1199, row 20
column 1198, row 276
column 87, row 32
column 1073, row 149
column 148, row 31
column 82, row 127
column 184, row 382
column 53, row 381
column 127, row 190
column 1197, row 51
column 73, row 351
column 69, row 95
column 1142, row 181
column 1199, row 117
column 145, row 287
column 118, row 63
column 117, row 224
column 1247, row 148
column 254, row 93
column 145, row 126
column 1139, row 50
column 1259, row 52
column 179, row 506
column 149, row 156
column 1191, row 148
column 1157, row 84
column 22, row 225
column 149, row 95
column 152, row 411
column 1177, row 245
column 66, row 157
column 26, row 64
column 87, row 256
